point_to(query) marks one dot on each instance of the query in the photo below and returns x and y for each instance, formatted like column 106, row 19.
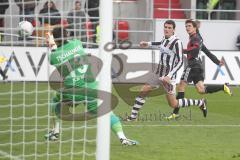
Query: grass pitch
column 24, row 120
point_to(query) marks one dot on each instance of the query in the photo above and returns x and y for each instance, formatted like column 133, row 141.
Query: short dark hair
column 192, row 22
column 198, row 23
column 77, row 2
column 171, row 22
column 46, row 4
column 60, row 34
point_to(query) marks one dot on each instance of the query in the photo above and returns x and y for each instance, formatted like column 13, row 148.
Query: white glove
column 50, row 41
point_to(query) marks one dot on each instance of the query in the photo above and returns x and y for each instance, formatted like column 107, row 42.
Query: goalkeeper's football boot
column 128, row 142
column 173, row 116
column 227, row 89
column 203, row 107
column 51, row 136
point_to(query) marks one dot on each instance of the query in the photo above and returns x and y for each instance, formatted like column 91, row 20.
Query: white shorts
column 156, row 82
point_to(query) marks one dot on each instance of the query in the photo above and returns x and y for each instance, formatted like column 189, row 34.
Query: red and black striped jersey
column 193, row 50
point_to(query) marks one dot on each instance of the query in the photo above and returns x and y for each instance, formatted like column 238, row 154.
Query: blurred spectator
column 97, row 34
column 4, row 4
column 3, row 7
column 212, row 4
column 49, row 14
column 92, row 9
column 77, row 22
column 221, row 5
column 26, row 9
column 238, row 42
column 228, row 5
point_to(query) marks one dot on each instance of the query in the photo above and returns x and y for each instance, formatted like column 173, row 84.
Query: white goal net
column 26, row 94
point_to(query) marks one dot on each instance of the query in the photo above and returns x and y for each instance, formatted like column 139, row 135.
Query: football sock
column 189, row 102
column 116, row 126
column 180, row 95
column 55, row 110
column 139, row 102
column 57, row 126
column 214, row 88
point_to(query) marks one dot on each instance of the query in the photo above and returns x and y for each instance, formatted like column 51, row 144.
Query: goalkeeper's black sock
column 214, row 88
column 180, row 95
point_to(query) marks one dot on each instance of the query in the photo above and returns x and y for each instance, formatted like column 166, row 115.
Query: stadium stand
column 89, row 28
column 124, row 26
column 161, row 9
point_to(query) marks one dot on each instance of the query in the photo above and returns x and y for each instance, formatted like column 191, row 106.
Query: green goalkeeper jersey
column 66, row 59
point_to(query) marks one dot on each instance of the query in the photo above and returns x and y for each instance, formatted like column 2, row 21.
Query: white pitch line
column 198, row 125
column 5, row 154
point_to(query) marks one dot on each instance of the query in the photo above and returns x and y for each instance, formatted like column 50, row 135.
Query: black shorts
column 192, row 75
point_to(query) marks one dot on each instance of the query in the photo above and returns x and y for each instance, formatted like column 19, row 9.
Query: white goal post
column 103, row 123
column 25, row 94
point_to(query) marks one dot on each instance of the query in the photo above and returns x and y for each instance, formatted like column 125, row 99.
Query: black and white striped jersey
column 170, row 57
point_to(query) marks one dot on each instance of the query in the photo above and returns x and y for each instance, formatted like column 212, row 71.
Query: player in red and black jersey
column 194, row 70
column 213, row 58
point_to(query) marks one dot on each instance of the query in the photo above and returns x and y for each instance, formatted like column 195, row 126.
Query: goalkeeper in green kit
column 67, row 56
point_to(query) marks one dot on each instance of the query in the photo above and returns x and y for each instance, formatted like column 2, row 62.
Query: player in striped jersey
column 194, row 70
column 171, row 60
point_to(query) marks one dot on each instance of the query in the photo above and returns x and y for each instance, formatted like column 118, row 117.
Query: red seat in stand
column 124, row 26
column 89, row 29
